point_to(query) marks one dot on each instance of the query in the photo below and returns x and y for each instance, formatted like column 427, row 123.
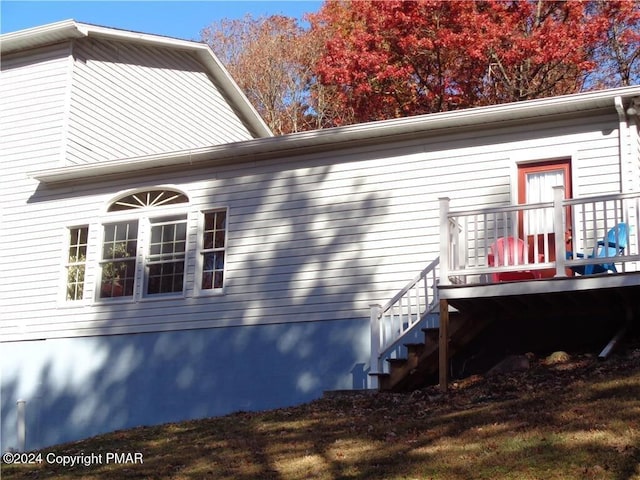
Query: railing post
column 444, row 241
column 559, row 227
column 374, row 359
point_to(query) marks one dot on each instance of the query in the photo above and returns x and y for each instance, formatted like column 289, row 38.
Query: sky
column 179, row 19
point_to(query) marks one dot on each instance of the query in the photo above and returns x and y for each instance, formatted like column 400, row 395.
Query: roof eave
column 351, row 136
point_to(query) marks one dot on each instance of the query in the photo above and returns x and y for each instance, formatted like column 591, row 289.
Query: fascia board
column 39, row 36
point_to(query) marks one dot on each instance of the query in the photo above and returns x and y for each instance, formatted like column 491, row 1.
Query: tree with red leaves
column 370, row 60
column 618, row 51
column 397, row 58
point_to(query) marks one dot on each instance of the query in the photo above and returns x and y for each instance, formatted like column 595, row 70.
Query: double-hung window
column 166, row 258
column 214, row 241
column 76, row 262
column 119, row 254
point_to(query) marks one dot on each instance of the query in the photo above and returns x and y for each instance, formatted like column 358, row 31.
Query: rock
column 512, row 363
column 556, row 358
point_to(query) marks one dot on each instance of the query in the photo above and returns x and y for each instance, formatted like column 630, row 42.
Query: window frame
column 201, row 251
column 67, row 264
column 146, row 217
column 152, row 221
column 101, row 261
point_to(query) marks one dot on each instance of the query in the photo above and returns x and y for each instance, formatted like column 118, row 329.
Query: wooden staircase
column 420, row 367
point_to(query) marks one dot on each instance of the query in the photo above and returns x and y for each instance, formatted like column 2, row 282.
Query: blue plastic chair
column 614, row 244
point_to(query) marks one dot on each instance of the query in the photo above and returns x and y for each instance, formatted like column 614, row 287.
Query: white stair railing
column 401, row 316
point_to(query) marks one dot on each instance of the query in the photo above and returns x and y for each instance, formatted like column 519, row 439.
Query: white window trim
column 64, row 262
column 200, row 250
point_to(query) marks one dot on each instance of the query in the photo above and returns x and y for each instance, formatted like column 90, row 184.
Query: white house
column 166, row 258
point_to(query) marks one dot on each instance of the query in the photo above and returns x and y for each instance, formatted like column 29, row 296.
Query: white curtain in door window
column 540, row 189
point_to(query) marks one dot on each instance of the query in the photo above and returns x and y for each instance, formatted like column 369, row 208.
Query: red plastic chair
column 509, row 251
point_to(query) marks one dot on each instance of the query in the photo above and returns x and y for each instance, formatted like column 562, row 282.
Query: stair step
column 396, row 362
column 422, row 359
column 414, row 348
column 431, row 334
column 383, row 381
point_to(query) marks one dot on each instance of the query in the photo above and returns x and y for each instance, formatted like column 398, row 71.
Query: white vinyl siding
column 130, row 101
column 315, row 238
column 33, row 99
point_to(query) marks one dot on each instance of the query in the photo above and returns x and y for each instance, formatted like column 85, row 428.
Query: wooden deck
column 574, row 289
column 611, row 299
column 554, row 258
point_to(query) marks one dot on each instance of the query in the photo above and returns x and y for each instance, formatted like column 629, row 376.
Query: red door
column 535, row 185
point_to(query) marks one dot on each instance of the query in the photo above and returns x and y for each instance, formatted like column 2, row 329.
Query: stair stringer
column 420, row 367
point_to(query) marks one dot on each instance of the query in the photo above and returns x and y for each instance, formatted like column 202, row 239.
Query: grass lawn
column 574, row 420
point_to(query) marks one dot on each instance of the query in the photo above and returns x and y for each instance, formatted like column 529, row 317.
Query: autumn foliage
column 398, row 58
column 368, row 60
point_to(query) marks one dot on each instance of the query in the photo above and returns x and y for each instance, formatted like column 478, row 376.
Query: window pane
column 117, row 278
column 217, row 280
column 219, row 240
column 221, row 220
column 167, row 233
column 208, row 240
column 181, row 230
column 84, row 233
column 156, row 235
column 209, row 221
column 165, row 278
column 109, row 233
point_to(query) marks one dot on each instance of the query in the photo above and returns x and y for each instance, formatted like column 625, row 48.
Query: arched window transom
column 148, row 198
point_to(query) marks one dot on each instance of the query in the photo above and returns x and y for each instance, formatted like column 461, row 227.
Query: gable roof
column 70, row 29
column 422, row 126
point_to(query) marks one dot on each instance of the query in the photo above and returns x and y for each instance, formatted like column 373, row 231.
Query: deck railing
column 553, row 235
column 402, row 315
column 550, row 234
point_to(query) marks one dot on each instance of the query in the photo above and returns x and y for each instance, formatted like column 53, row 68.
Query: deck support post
column 443, row 346
column 559, row 227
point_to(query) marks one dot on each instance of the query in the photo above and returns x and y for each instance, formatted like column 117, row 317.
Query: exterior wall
column 312, row 241
column 80, row 387
column 34, row 92
column 131, row 100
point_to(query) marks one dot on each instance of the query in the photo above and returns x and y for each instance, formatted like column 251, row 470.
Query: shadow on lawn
column 560, row 425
